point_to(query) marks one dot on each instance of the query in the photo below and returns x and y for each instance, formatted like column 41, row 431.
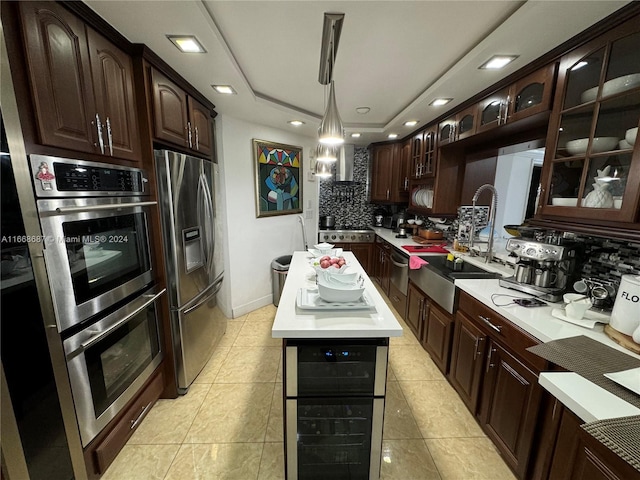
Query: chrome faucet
column 492, row 214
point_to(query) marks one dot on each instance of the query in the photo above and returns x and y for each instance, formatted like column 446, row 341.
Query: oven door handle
column 150, row 298
column 111, row 206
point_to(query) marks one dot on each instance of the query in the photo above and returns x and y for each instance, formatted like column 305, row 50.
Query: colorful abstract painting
column 278, row 178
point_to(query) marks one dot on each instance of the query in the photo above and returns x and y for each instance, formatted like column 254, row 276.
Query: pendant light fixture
column 331, row 131
column 323, row 169
column 326, row 153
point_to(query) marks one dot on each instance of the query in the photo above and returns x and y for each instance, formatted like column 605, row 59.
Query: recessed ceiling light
column 438, row 102
column 226, row 89
column 296, row 123
column 355, row 135
column 411, row 123
column 187, row 43
column 497, row 62
column 393, row 135
column 363, row 110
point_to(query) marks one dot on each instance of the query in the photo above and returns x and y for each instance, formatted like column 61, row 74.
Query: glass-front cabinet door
column 416, row 156
column 592, row 167
column 532, row 94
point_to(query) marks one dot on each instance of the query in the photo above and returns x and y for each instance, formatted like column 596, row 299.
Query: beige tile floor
column 229, row 425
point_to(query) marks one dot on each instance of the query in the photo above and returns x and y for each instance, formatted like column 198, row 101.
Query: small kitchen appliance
column 625, row 317
column 542, row 269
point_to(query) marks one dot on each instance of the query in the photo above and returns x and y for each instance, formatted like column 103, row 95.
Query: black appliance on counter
column 334, row 408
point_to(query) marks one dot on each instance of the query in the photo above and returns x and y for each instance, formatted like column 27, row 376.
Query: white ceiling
column 394, row 57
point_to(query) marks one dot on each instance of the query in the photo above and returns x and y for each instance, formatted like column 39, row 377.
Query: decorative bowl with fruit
column 329, row 264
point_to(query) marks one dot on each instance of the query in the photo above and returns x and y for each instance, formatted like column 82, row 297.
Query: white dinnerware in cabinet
column 592, row 171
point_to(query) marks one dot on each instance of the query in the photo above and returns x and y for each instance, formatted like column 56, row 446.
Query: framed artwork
column 278, row 178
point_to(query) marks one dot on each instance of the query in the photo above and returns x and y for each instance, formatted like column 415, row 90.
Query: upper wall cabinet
column 592, row 162
column 82, row 85
column 526, row 97
column 179, row 118
column 457, row 127
column 423, row 154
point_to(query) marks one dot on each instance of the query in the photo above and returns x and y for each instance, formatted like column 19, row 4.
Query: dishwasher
column 399, row 281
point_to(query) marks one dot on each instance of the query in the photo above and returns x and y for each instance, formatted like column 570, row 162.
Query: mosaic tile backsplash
column 349, row 203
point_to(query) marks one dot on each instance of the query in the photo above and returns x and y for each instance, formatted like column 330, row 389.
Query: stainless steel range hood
column 344, row 164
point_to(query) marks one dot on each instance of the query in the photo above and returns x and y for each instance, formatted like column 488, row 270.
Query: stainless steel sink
column 436, row 279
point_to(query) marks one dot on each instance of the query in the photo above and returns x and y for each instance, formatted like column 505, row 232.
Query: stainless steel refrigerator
column 194, row 261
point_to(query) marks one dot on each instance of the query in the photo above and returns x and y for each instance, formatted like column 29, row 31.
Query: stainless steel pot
column 327, row 221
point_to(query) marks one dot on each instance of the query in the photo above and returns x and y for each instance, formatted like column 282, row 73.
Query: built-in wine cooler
column 334, row 402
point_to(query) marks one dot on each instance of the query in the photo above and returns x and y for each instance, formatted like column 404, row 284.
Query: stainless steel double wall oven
column 94, row 219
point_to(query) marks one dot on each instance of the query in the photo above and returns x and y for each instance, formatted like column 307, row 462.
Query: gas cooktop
column 344, row 228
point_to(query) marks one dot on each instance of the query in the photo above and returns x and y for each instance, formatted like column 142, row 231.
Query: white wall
column 252, row 243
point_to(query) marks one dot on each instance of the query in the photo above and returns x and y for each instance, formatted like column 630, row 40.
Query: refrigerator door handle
column 205, row 298
column 209, row 221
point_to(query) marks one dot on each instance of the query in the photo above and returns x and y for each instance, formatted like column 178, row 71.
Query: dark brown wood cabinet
column 437, row 335
column 389, row 173
column 382, row 265
column 459, row 126
column 526, row 97
column 432, row 326
column 497, row 379
column 509, row 406
column 467, row 360
column 82, row 84
column 362, row 251
column 180, row 119
column 415, row 309
column 579, row 456
column 593, row 113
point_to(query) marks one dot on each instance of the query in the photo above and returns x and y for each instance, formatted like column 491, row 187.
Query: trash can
column 279, row 269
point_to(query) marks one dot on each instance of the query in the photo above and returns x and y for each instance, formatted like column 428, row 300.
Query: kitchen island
column 334, row 372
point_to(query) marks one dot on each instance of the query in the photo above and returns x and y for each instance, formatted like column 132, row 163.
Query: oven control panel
column 65, row 177
column 536, row 251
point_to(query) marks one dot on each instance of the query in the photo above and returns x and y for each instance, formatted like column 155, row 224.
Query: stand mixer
column 542, row 269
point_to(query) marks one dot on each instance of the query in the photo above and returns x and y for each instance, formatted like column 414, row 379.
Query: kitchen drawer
column 106, row 451
column 398, row 300
column 502, row 330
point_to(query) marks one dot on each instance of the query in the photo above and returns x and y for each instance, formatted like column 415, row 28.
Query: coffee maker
column 543, row 270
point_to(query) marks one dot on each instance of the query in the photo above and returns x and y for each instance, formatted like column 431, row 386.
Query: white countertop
column 291, row 322
column 587, row 400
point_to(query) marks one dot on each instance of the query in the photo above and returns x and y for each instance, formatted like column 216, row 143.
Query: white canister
column 625, row 317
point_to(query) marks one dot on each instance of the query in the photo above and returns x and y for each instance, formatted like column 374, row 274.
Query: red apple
column 325, row 263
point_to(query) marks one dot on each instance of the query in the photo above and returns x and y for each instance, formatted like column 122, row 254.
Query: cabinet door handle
column 197, row 139
column 489, row 364
column 506, row 109
column 497, row 328
column 387, row 194
column 406, row 183
column 189, row 141
column 109, row 136
column 99, row 128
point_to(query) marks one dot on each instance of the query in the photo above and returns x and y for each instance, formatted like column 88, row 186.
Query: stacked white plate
column 423, row 197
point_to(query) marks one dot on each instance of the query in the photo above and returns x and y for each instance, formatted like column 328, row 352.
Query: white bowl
column 411, row 221
column 589, row 95
column 564, row 202
column 599, row 145
column 572, row 297
column 331, row 269
column 611, row 87
column 620, row 84
column 332, row 293
column 336, row 278
column 624, row 145
column 631, row 136
column 419, row 222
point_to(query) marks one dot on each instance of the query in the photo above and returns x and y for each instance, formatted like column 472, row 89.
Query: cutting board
column 424, row 241
column 425, row 248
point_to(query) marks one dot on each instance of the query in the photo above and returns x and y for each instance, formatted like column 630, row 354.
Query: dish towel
column 416, row 262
